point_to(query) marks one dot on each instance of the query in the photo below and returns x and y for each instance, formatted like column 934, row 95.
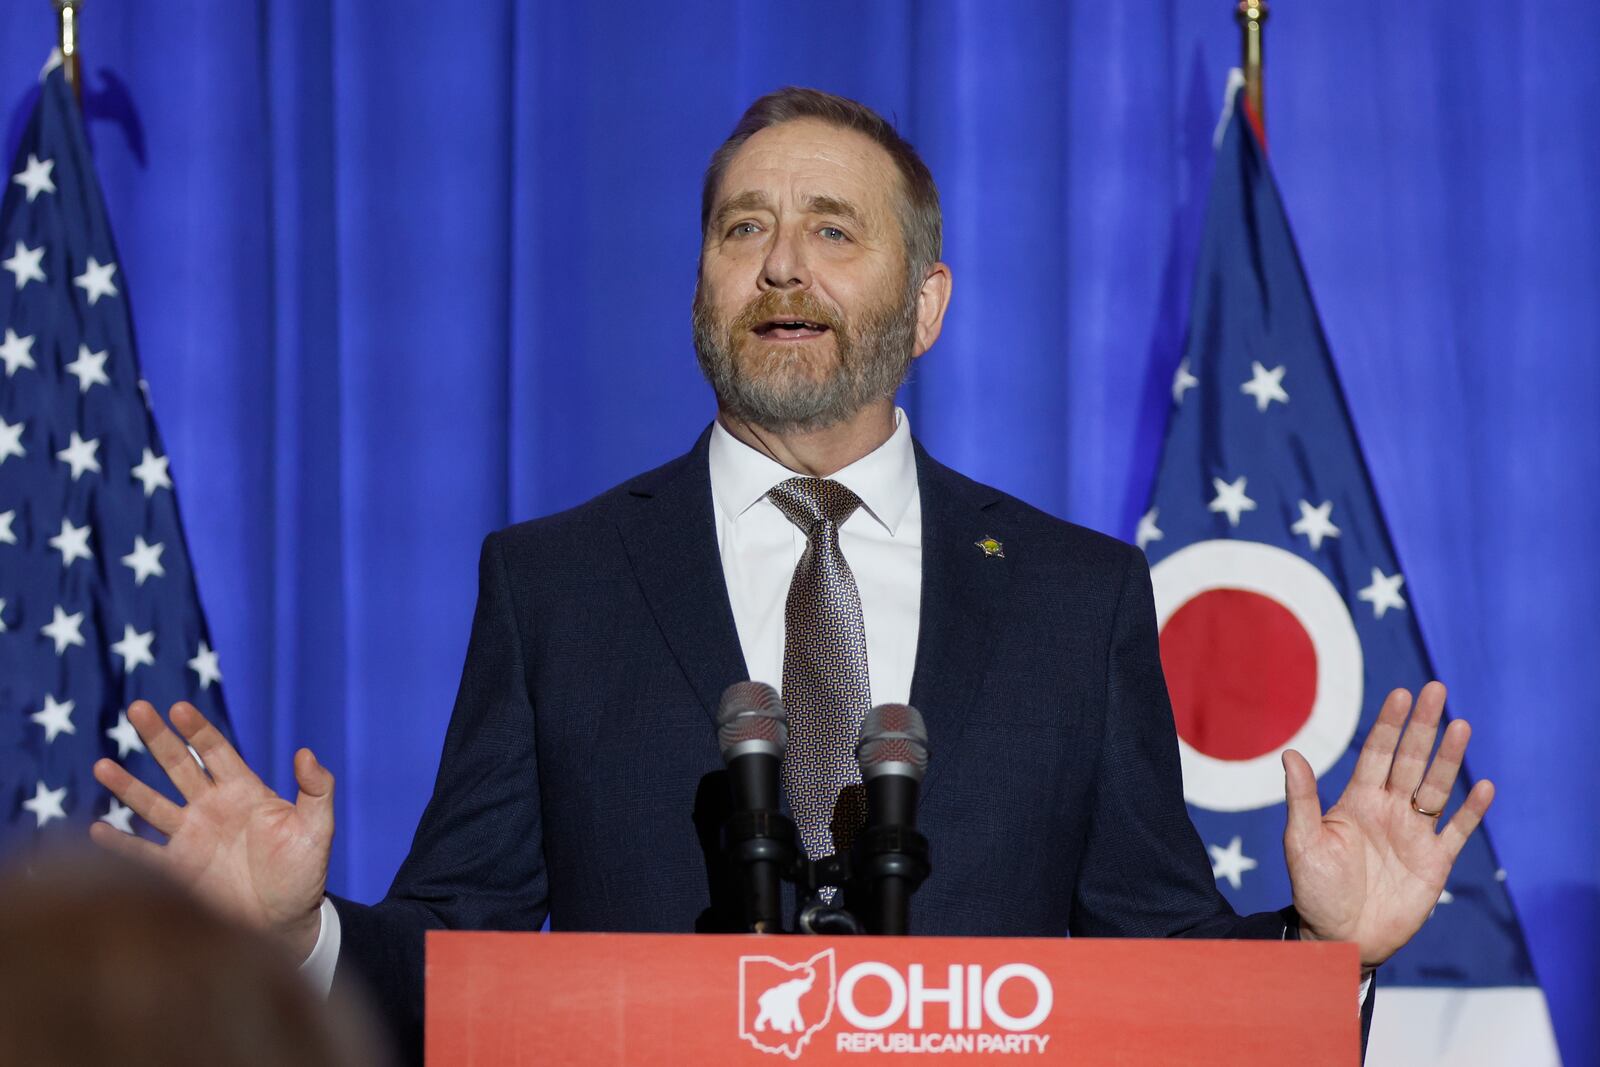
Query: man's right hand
column 252, row 854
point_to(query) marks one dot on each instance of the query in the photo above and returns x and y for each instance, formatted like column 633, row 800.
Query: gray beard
column 872, row 364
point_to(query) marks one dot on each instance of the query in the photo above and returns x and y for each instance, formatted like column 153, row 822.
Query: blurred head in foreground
column 105, row 962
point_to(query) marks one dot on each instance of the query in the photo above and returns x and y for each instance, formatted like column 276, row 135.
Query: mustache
column 774, row 304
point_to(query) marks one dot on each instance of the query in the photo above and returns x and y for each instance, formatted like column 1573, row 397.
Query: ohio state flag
column 1286, row 617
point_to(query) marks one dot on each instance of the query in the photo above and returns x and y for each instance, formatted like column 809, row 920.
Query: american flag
column 97, row 599
column 1286, row 619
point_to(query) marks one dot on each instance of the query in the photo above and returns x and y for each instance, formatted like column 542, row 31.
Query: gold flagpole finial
column 67, row 13
column 1252, row 15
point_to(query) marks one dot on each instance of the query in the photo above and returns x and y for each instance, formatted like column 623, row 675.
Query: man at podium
column 806, row 538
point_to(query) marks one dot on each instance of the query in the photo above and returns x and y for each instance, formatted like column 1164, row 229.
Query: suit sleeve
column 1145, row 872
column 477, row 859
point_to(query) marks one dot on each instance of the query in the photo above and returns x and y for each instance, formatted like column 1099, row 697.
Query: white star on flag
column 1231, row 862
column 1182, row 382
column 1230, row 499
column 1148, row 530
column 2, row 615
column 17, row 352
column 72, row 542
column 35, row 177
column 63, row 629
column 25, row 264
column 145, row 560
column 89, row 368
column 56, row 718
column 205, row 665
column 80, row 455
column 119, row 815
column 1265, row 385
column 46, row 804
column 134, row 648
column 11, row 440
column 1315, row 523
column 152, row 471
column 7, row 537
column 96, row 280
column 1383, row 593
column 126, row 737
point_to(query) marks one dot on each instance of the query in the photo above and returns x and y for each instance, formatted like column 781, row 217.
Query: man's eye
column 743, row 229
column 833, row 233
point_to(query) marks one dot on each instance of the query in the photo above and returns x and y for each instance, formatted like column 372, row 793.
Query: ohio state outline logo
column 781, row 1005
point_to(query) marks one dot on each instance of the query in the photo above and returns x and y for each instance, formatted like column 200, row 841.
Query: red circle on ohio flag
column 1241, row 671
column 1261, row 655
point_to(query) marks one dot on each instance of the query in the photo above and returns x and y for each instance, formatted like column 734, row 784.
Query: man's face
column 804, row 312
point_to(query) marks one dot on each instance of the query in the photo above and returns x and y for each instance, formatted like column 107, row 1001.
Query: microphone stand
column 884, row 867
column 892, row 860
column 761, row 840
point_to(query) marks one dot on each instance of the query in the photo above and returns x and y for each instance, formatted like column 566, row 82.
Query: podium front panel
column 644, row 999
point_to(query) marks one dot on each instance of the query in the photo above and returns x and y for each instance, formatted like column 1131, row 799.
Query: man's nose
column 785, row 265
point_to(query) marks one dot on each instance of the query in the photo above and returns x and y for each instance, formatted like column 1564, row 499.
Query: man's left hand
column 1371, row 869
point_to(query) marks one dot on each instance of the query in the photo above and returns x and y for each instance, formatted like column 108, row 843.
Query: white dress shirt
column 882, row 542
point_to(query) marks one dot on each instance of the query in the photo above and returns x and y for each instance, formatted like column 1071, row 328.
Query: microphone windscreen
column 751, row 719
column 893, row 741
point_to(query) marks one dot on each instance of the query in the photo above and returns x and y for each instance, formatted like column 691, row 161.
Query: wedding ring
column 1419, row 809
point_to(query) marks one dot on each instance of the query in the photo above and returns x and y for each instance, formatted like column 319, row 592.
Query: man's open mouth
column 790, row 329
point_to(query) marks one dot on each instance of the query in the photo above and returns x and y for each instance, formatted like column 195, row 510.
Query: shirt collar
column 885, row 479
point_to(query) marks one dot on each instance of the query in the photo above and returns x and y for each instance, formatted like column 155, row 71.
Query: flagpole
column 1252, row 16
column 67, row 13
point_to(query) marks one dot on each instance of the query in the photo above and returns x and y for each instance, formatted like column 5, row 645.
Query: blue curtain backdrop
column 405, row 272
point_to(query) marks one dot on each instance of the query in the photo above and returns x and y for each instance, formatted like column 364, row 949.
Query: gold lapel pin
column 991, row 548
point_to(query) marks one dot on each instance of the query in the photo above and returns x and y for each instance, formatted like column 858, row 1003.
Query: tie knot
column 808, row 501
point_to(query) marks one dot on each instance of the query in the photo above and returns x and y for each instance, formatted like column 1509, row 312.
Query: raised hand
column 238, row 844
column 1371, row 869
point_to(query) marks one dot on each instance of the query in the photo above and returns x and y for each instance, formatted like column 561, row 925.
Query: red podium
column 639, row 999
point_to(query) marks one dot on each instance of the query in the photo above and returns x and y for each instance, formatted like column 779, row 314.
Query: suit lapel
column 671, row 541
column 962, row 587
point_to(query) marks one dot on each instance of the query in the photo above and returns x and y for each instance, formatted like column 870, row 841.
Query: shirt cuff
column 319, row 966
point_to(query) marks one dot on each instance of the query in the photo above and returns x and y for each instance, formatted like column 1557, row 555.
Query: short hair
column 919, row 217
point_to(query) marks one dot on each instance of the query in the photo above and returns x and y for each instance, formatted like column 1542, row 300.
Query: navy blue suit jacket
column 581, row 780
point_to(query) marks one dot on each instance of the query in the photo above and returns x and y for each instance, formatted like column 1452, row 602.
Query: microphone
column 893, row 756
column 753, row 732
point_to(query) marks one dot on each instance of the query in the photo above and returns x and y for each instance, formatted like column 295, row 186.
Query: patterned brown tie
column 825, row 683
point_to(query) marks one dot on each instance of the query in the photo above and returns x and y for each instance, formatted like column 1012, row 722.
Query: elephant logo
column 782, row 1004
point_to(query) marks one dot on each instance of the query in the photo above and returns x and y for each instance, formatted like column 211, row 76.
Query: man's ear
column 933, row 298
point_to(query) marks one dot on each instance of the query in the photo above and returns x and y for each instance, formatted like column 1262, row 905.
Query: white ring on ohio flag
column 1307, row 594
